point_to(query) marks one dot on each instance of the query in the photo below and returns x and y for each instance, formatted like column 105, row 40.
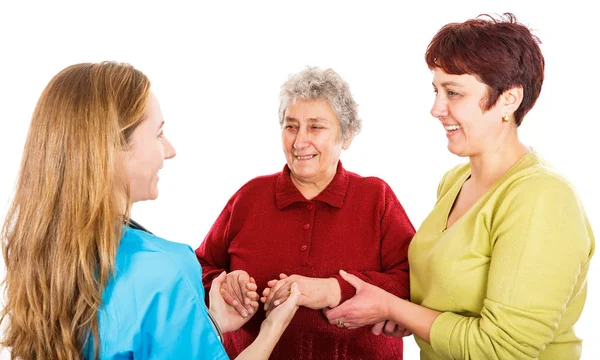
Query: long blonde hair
column 62, row 230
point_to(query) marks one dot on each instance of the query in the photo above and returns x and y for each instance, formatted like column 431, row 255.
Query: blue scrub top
column 154, row 306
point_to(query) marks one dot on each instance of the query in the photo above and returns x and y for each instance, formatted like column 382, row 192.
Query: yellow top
column 510, row 274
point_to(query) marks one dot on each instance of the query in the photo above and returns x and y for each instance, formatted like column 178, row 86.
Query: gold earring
column 505, row 118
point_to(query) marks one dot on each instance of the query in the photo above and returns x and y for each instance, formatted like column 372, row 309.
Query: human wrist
column 270, row 330
column 219, row 323
column 386, row 306
column 334, row 293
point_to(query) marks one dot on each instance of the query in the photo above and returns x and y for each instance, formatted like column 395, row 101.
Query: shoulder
column 371, row 189
column 372, row 183
column 257, row 186
column 539, row 179
column 146, row 258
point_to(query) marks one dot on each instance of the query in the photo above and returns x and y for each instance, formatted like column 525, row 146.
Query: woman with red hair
column 499, row 267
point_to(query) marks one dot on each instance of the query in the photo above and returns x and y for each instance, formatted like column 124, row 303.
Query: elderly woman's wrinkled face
column 459, row 104
column 312, row 141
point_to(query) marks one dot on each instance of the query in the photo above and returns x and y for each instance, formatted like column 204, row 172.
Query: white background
column 216, row 68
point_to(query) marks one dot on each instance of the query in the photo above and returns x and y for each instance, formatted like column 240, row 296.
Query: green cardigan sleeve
column 541, row 241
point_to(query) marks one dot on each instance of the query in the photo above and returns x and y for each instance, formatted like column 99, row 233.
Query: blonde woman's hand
column 279, row 317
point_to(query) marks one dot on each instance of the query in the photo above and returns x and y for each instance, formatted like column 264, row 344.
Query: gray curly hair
column 314, row 83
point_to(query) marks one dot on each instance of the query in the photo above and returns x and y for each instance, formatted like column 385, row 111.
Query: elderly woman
column 308, row 222
column 498, row 269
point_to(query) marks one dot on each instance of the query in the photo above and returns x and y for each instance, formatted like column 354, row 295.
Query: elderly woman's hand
column 226, row 315
column 369, row 306
column 239, row 291
column 315, row 293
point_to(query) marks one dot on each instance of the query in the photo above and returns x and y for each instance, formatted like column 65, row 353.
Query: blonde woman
column 83, row 280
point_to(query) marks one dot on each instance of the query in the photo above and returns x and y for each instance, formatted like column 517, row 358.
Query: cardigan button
column 309, row 206
column 304, row 247
column 306, row 226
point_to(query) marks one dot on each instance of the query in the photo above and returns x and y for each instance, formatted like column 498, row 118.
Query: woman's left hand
column 367, row 307
column 226, row 315
column 316, row 293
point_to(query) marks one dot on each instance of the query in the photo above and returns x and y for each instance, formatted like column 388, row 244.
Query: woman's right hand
column 272, row 328
column 239, row 291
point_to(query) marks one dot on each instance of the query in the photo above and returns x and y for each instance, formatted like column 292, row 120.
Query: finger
column 378, row 328
column 252, row 295
column 407, row 332
column 390, row 327
column 283, row 291
column 274, row 290
column 252, row 280
column 216, row 285
column 338, row 311
column 250, row 309
column 226, row 290
column 280, row 301
column 282, row 276
column 272, row 283
column 233, row 282
column 241, row 310
column 244, row 280
column 219, row 279
column 251, row 286
column 351, row 279
column 229, row 299
column 294, row 297
column 350, row 324
column 266, row 292
column 235, row 303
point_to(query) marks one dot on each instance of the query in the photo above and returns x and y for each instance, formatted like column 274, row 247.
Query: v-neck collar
column 456, row 189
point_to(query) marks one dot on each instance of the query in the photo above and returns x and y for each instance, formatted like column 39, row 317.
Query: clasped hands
column 231, row 317
column 367, row 307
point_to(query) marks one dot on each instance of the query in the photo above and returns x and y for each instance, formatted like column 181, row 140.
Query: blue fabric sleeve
column 177, row 326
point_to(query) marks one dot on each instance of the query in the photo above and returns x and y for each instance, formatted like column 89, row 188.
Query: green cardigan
column 510, row 274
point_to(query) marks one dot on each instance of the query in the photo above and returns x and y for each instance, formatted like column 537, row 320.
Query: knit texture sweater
column 356, row 224
column 510, row 274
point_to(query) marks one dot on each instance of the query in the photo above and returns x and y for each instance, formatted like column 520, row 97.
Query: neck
column 491, row 164
column 309, row 188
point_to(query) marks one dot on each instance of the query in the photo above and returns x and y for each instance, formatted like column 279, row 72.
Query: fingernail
column 245, row 313
column 342, row 272
column 276, row 302
column 235, row 303
column 251, row 311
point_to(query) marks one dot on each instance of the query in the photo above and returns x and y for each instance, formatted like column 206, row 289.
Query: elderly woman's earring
column 505, row 118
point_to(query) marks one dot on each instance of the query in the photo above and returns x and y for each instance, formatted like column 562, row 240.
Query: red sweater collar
column 286, row 192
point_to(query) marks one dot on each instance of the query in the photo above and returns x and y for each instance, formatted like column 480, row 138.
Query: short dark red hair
column 501, row 53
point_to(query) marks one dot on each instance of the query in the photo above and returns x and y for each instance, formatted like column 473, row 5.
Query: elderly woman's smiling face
column 312, row 141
